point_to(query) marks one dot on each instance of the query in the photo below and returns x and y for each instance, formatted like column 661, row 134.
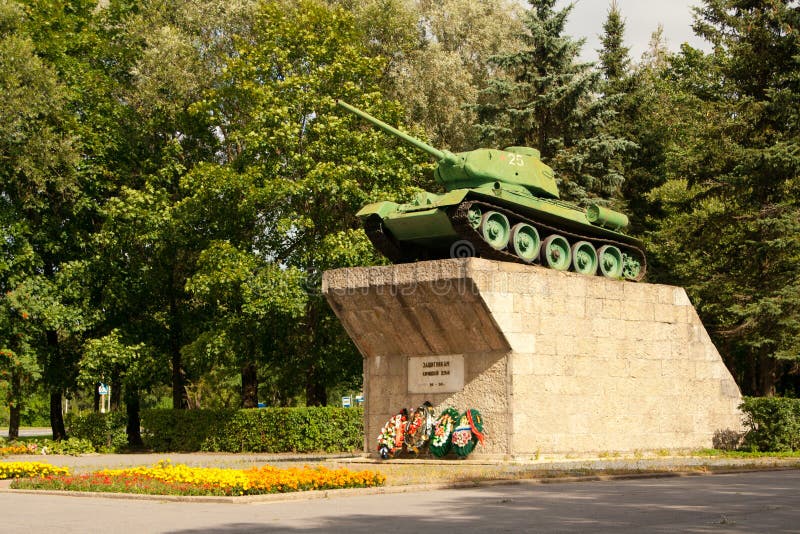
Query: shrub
column 181, row 430
column 256, row 430
column 773, row 424
column 105, row 431
column 72, row 446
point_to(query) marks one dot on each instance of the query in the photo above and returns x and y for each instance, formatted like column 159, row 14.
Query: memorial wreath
column 390, row 440
column 468, row 433
column 419, row 426
column 442, row 430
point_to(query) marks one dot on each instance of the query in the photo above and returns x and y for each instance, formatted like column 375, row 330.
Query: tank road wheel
column 495, row 229
column 610, row 259
column 474, row 216
column 631, row 267
column 526, row 242
column 556, row 253
column 584, row 258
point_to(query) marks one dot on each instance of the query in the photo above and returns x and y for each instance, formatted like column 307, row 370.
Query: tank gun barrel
column 435, row 152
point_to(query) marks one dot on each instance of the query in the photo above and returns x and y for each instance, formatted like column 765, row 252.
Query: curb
column 389, row 490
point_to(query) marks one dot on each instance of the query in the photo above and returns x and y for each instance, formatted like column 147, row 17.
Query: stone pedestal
column 557, row 363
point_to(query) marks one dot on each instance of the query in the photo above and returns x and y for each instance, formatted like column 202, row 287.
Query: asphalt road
column 34, row 431
column 743, row 502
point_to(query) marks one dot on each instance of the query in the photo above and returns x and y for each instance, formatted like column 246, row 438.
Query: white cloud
column 642, row 17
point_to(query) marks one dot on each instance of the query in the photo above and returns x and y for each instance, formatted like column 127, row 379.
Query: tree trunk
column 13, row 422
column 316, row 395
column 116, row 393
column 15, row 408
column 96, row 397
column 57, row 417
column 180, row 398
column 249, row 385
column 750, row 383
column 767, row 376
column 133, row 428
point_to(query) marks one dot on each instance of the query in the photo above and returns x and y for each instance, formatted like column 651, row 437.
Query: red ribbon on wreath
column 475, row 432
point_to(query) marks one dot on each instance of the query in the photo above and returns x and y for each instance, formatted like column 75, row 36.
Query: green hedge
column 773, row 424
column 106, row 431
column 257, row 430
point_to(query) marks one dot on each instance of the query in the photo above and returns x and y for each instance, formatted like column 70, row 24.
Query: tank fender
column 382, row 209
column 451, row 198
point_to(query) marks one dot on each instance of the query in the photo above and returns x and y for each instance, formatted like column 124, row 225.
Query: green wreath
column 468, row 432
column 439, row 443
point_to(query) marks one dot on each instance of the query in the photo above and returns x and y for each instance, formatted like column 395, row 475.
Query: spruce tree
column 543, row 97
column 614, row 55
column 732, row 233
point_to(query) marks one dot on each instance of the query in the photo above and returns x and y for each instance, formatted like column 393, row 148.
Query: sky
column 641, row 20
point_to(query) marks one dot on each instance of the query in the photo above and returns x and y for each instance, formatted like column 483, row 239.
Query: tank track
column 460, row 221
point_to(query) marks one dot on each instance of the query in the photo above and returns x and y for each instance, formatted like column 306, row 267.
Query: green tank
column 502, row 205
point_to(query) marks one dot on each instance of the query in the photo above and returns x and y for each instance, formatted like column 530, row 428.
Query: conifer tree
column 545, row 98
column 732, row 231
column 614, row 55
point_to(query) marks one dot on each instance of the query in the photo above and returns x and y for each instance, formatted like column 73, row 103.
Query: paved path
column 742, row 502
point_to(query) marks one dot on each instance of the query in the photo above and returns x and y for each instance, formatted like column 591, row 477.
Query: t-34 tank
column 503, row 205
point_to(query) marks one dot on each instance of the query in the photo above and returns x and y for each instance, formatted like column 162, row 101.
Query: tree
column 130, row 367
column 614, row 55
column 543, row 98
column 732, row 228
column 311, row 169
column 166, row 54
column 440, row 81
column 44, row 206
column 437, row 57
column 646, row 112
column 22, row 76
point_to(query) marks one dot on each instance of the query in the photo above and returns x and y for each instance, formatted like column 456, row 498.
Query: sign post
column 103, row 390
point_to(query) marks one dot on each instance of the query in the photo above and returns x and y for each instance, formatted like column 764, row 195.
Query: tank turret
column 500, row 204
column 515, row 167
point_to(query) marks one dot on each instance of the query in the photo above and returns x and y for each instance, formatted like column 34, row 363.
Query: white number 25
column 516, row 160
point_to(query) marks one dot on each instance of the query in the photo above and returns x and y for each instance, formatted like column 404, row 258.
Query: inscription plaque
column 436, row 374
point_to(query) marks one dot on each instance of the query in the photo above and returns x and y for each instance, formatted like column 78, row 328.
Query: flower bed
column 30, row 469
column 15, row 449
column 164, row 478
column 71, row 446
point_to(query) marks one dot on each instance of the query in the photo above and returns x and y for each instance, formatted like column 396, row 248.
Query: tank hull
column 432, row 226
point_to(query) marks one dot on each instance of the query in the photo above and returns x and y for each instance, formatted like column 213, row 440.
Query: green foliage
column 293, row 171
column 42, row 212
column 254, row 430
column 72, row 446
column 438, row 74
column 773, row 424
column 542, row 97
column 614, row 56
column 730, row 230
column 35, row 409
column 176, row 176
column 105, row 431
